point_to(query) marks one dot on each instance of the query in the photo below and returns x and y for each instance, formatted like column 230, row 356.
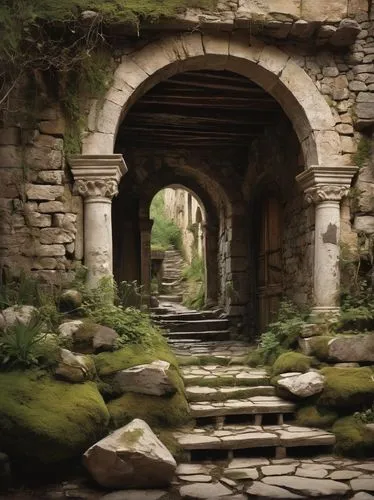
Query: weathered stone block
column 50, row 177
column 37, row 219
column 53, row 127
column 320, row 10
column 364, row 223
column 49, row 250
column 54, row 235
column 10, row 136
column 351, row 349
column 10, row 156
column 51, row 207
column 43, row 192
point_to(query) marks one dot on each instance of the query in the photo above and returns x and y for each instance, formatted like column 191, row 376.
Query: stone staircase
column 171, row 286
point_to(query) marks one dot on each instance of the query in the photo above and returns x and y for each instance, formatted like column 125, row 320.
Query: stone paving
column 324, row 477
column 227, row 349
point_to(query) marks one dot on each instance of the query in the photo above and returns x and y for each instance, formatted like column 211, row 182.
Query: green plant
column 194, row 277
column 165, row 232
column 281, row 335
column 24, row 345
column 130, row 293
column 365, row 416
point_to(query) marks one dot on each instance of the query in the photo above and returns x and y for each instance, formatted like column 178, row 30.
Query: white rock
column 131, row 457
column 258, row 489
column 21, row 314
column 145, row 379
column 73, row 367
column 203, row 490
column 304, row 385
column 66, row 330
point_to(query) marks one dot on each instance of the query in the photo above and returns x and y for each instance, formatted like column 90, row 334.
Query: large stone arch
column 266, row 65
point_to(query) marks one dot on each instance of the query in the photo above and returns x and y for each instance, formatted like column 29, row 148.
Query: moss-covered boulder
column 48, row 420
column 348, row 388
column 353, row 438
column 291, row 362
column 313, row 416
column 171, row 411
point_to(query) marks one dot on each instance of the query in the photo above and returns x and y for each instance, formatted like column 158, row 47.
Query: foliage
column 165, row 232
column 194, row 276
column 361, row 156
column 48, row 420
column 130, row 293
column 291, row 362
column 353, row 438
column 25, row 345
column 314, row 416
column 347, row 388
column 26, row 290
column 320, row 346
column 281, row 335
column 357, row 308
column 366, row 416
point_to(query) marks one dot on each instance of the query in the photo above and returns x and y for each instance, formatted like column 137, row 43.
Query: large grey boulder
column 18, row 314
column 145, row 379
column 131, row 457
column 303, row 385
column 352, row 349
column 74, row 367
column 88, row 337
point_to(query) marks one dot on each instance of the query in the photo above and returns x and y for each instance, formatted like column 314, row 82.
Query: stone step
column 219, row 376
column 202, row 393
column 170, row 298
column 190, row 316
column 199, row 325
column 255, row 405
column 204, row 335
column 238, row 437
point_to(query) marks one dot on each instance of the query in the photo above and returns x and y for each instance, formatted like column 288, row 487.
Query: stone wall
column 41, row 221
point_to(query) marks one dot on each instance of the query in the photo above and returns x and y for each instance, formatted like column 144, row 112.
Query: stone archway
column 267, row 66
column 326, row 179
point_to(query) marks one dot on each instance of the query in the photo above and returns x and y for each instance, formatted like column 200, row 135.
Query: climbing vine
column 64, row 47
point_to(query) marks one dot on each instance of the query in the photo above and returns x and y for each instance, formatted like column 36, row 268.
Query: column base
column 324, row 313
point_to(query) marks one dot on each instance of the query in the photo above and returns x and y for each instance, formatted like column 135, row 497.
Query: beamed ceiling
column 199, row 108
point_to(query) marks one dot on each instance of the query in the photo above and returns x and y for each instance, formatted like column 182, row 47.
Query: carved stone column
column 326, row 187
column 145, row 226
column 96, row 180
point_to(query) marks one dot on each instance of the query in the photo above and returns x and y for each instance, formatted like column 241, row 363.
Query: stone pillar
column 210, row 230
column 326, row 187
column 96, row 180
column 145, row 226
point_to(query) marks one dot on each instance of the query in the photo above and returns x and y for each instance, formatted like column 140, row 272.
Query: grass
column 165, row 232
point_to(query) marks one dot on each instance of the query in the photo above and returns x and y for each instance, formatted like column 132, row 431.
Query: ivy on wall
column 66, row 47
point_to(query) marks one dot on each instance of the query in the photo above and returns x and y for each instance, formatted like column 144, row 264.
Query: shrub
column 165, row 232
column 291, row 362
column 281, row 335
column 25, row 345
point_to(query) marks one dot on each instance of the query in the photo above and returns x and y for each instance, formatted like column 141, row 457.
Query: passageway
column 228, row 141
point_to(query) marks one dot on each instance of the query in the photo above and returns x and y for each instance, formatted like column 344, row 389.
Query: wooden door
column 269, row 263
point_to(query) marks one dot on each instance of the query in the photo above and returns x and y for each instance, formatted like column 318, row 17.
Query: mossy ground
column 320, row 347
column 48, row 420
column 315, row 417
column 347, row 388
column 353, row 438
column 291, row 362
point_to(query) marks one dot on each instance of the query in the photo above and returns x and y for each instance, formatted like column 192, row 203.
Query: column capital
column 326, row 183
column 97, row 176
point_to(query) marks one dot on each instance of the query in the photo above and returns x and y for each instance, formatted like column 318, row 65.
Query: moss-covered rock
column 347, row 388
column 48, row 420
column 155, row 410
column 319, row 346
column 314, row 416
column 107, row 363
column 291, row 362
column 353, row 438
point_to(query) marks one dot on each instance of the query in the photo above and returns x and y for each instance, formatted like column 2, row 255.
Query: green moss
column 225, row 380
column 132, row 437
column 108, row 363
column 362, row 155
column 157, row 411
column 347, row 387
column 48, row 420
column 291, row 362
column 203, row 360
column 315, row 417
column 320, row 346
column 353, row 438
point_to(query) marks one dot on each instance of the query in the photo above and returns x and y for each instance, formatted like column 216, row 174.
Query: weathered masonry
column 257, row 109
